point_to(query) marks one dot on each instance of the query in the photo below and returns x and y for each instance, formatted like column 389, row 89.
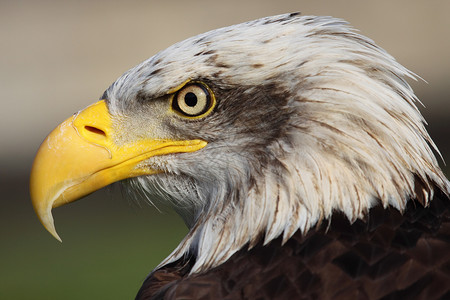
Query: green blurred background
column 58, row 56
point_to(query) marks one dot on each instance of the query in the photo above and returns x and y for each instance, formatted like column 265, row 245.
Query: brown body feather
column 387, row 256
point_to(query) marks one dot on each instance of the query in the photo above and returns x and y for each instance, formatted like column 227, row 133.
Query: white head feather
column 353, row 137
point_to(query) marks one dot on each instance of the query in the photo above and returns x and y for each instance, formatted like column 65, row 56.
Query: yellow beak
column 80, row 157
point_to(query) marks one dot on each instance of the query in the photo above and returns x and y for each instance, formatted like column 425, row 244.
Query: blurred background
column 59, row 56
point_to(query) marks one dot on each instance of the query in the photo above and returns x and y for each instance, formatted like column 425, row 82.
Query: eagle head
column 250, row 132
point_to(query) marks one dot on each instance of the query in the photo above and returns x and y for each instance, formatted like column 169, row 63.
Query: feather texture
column 386, row 256
column 312, row 120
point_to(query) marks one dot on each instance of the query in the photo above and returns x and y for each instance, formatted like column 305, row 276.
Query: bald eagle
column 292, row 148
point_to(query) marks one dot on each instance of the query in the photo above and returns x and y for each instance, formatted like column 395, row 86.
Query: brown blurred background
column 59, row 56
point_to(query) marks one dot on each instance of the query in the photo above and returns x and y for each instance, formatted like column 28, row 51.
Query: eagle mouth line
column 134, row 161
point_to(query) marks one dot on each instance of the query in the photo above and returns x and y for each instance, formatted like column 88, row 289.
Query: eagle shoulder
column 388, row 255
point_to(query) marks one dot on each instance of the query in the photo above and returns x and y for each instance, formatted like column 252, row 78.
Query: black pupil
column 190, row 99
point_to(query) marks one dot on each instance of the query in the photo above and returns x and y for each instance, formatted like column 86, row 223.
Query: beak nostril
column 95, row 130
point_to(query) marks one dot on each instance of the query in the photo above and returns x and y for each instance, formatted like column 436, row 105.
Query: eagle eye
column 193, row 100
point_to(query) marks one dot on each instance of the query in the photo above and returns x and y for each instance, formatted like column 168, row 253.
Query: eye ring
column 194, row 100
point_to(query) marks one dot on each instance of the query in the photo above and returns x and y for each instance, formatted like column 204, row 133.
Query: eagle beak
column 80, row 157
